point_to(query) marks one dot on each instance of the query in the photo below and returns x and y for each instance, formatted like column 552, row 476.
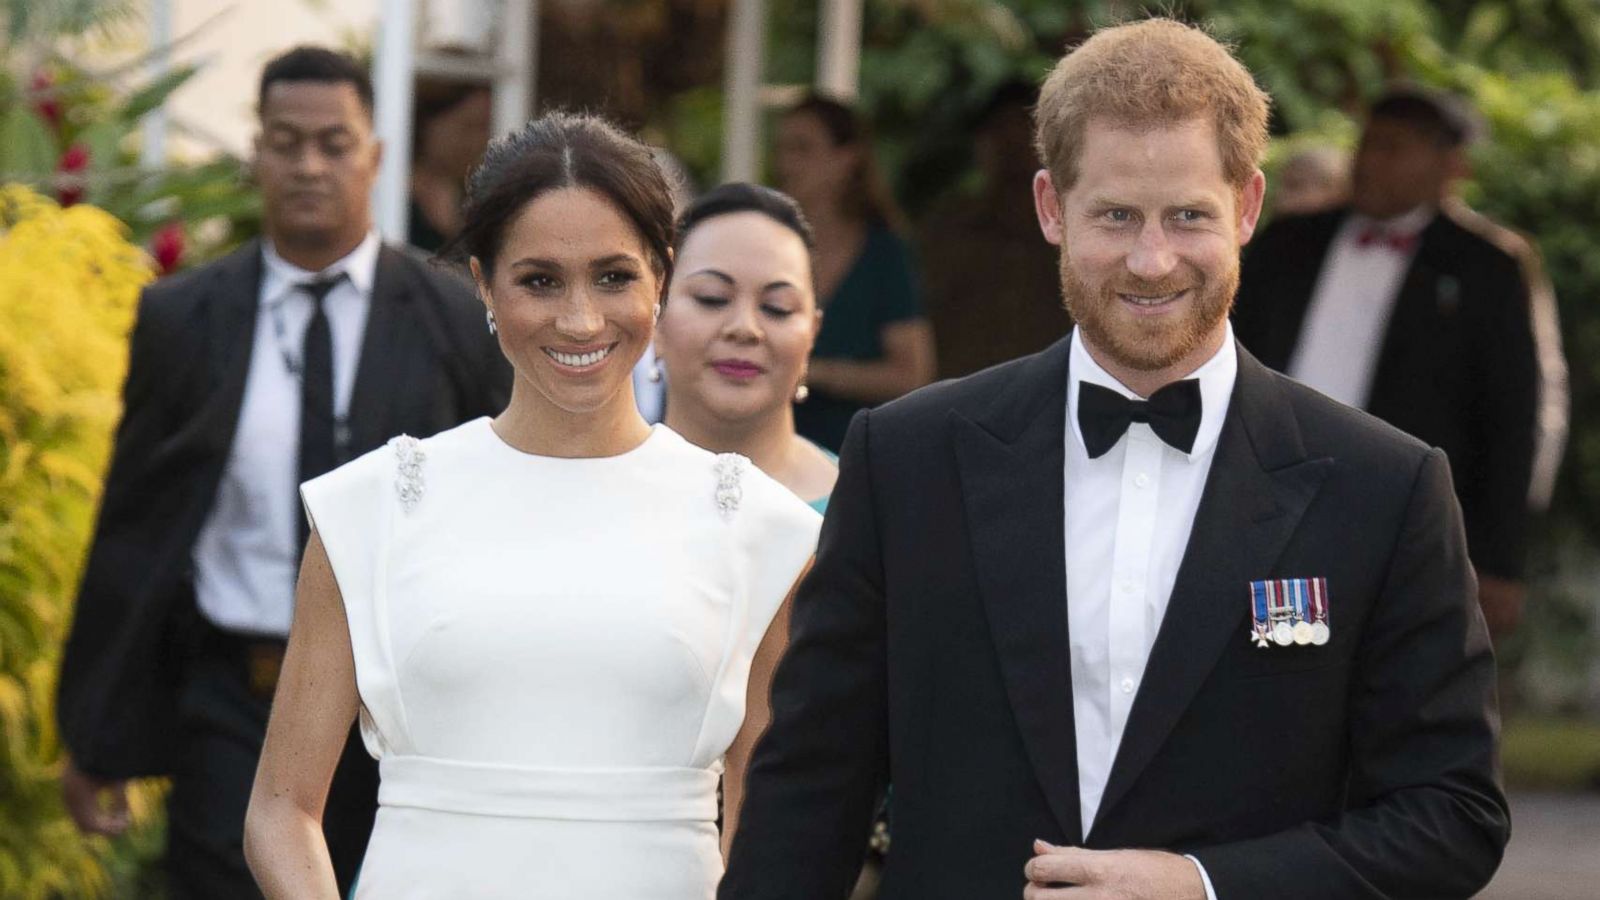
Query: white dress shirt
column 1127, row 521
column 1342, row 335
column 246, row 559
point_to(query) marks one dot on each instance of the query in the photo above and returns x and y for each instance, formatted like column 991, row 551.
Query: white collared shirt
column 1128, row 516
column 1342, row 335
column 246, row 559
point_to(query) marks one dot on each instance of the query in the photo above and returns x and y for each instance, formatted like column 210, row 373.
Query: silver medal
column 1302, row 633
column 1320, row 634
column 1283, row 634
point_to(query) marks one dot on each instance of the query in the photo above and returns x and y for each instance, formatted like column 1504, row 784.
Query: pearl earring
column 801, row 393
column 493, row 328
column 654, row 374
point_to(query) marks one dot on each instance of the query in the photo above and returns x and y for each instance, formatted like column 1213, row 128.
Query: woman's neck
column 532, row 424
column 770, row 442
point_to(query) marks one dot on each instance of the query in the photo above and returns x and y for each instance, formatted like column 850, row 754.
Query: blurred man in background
column 992, row 289
column 1392, row 306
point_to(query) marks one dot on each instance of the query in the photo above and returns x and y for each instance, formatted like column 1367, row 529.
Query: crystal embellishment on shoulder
column 729, row 468
column 408, row 477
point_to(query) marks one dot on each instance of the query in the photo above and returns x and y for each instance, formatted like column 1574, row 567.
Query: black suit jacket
column 1458, row 367
column 427, row 363
column 929, row 648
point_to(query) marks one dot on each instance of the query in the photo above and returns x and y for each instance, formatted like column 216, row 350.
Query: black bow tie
column 1173, row 413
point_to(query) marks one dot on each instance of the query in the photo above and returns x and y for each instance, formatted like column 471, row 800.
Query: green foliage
column 53, row 110
column 70, row 281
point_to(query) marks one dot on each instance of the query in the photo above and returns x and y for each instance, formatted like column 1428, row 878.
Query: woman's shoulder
column 738, row 489
column 403, row 462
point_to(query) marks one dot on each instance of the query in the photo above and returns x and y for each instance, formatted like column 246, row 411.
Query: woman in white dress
column 548, row 624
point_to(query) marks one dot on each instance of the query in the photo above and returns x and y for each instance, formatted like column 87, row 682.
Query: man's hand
column 1502, row 600
column 94, row 814
column 1073, row 873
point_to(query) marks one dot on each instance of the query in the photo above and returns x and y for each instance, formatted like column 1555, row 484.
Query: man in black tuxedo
column 1395, row 306
column 247, row 377
column 1137, row 590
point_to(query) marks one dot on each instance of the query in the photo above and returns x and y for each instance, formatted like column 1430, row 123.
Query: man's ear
column 1047, row 204
column 1250, row 201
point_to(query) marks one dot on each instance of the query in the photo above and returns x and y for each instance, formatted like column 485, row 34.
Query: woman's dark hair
column 739, row 197
column 433, row 98
column 867, row 197
column 565, row 150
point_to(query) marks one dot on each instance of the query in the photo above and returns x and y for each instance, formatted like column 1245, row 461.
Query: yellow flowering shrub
column 69, row 287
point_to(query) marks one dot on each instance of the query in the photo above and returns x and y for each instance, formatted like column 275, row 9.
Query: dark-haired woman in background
column 737, row 330
column 449, row 131
column 875, row 343
column 549, row 622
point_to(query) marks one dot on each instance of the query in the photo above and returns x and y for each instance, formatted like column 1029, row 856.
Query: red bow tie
column 1374, row 236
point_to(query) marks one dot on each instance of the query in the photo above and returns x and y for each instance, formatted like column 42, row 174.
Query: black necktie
column 318, row 452
column 1173, row 413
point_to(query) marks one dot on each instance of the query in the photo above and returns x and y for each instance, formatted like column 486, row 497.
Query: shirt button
column 1127, row 685
column 1141, row 480
column 1127, row 587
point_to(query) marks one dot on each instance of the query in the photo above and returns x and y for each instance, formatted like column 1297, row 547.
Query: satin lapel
column 1011, row 479
column 231, row 306
column 378, row 371
column 1259, row 487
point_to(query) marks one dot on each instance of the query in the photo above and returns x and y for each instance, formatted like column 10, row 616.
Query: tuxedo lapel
column 1010, row 464
column 1259, row 487
column 231, row 304
column 390, row 320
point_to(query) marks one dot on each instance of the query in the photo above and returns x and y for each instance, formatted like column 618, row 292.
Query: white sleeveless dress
column 552, row 656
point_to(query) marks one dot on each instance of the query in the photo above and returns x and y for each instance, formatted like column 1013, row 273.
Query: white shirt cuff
column 1205, row 879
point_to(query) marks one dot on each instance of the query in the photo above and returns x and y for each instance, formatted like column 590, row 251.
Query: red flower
column 69, row 174
column 48, row 107
column 167, row 246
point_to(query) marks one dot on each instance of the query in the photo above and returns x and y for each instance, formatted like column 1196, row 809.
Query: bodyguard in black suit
column 1311, row 714
column 1451, row 358
column 157, row 679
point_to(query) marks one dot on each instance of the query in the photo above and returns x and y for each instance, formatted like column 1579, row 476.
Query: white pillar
column 393, row 87
column 741, row 90
column 517, row 58
column 839, row 49
column 153, row 151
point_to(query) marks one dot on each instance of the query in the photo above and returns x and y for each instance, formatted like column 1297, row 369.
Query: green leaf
column 26, row 146
column 155, row 93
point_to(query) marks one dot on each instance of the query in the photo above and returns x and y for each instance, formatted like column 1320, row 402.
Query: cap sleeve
column 779, row 537
column 350, row 508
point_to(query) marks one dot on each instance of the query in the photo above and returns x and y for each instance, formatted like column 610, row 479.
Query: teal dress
column 880, row 289
column 821, row 503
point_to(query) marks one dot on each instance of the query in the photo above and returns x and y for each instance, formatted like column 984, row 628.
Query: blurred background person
column 1313, row 180
column 736, row 331
column 992, row 286
column 875, row 344
column 1555, row 391
column 1392, row 306
column 649, row 389
column 246, row 377
column 450, row 130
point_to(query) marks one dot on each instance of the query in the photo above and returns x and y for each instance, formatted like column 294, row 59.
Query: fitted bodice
column 560, row 639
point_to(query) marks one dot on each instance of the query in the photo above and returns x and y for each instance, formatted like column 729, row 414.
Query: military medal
column 1319, row 612
column 1289, row 611
column 1280, row 611
column 1302, row 627
column 1258, row 614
